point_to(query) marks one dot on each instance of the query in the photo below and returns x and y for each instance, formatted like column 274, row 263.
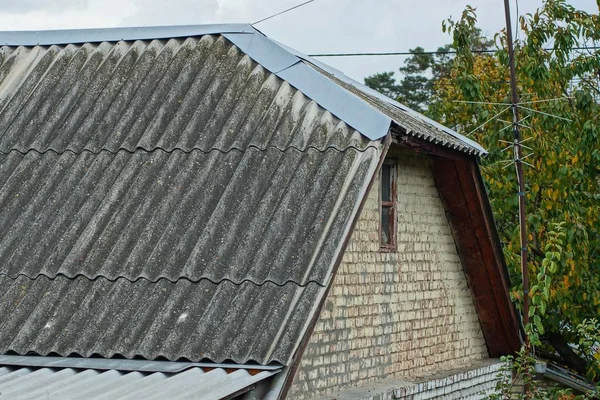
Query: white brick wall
column 400, row 314
column 475, row 382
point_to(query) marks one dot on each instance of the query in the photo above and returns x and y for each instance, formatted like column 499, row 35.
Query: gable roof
column 173, row 198
column 183, row 193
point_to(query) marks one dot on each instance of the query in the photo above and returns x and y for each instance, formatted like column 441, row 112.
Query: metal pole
column 519, row 166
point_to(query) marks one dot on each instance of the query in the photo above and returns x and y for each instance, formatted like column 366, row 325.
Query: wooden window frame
column 391, row 245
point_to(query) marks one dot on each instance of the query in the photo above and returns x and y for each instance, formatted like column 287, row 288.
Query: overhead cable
column 282, row 12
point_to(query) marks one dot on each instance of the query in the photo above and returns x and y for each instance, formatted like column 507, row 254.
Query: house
column 202, row 212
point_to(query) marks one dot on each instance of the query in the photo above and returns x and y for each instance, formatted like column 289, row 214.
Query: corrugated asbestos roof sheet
column 410, row 122
column 23, row 383
column 196, row 321
column 259, row 215
column 182, row 194
column 195, row 93
column 121, row 364
column 168, row 198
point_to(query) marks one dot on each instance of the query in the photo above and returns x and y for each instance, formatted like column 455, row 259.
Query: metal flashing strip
column 355, row 112
column 262, row 50
column 285, row 63
column 67, row 36
column 567, row 378
column 120, row 364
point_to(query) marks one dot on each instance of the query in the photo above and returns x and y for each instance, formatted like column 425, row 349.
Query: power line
column 283, row 12
column 411, row 53
column 393, row 53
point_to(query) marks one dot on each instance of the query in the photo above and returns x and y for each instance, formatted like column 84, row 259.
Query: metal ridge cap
column 94, row 35
column 368, row 91
column 328, row 68
column 122, row 364
column 287, row 65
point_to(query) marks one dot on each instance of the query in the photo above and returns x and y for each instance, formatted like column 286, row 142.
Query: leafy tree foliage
column 558, row 70
column 420, row 73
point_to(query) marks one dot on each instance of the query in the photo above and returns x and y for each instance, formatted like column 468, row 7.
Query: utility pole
column 519, row 166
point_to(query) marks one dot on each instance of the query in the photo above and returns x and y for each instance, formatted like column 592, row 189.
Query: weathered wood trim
column 469, row 214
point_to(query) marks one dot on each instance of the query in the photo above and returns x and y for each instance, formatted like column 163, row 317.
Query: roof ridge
column 95, row 35
column 315, row 79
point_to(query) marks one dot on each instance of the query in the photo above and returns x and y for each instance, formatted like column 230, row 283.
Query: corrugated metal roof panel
column 258, row 215
column 196, row 321
column 67, row 383
column 120, row 364
column 194, row 93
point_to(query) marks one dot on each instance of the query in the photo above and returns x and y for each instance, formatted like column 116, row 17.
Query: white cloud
column 48, row 5
column 174, row 12
column 73, row 14
column 321, row 26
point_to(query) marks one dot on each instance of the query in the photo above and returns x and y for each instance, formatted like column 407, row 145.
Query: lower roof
column 30, row 382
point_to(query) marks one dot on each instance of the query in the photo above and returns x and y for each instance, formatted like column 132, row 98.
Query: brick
column 403, row 314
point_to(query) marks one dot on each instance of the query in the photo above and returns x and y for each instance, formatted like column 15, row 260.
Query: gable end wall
column 406, row 314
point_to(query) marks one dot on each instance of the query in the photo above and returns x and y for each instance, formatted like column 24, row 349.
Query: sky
column 323, row 26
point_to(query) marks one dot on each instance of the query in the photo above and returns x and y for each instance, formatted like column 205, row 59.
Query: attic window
column 387, row 231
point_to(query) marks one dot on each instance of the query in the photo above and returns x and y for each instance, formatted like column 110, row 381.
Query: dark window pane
column 386, row 182
column 386, row 235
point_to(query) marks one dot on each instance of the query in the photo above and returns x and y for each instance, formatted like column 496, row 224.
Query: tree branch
column 568, row 356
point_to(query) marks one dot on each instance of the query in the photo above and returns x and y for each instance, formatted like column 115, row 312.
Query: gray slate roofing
column 183, row 194
column 24, row 383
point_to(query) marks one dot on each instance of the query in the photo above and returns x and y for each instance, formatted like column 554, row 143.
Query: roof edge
column 95, row 35
column 121, row 364
column 309, row 329
column 340, row 75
